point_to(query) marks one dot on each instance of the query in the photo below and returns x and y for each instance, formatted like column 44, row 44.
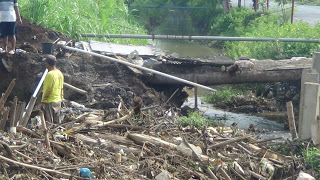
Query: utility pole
column 292, row 11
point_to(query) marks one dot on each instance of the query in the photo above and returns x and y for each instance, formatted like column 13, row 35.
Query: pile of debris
column 137, row 143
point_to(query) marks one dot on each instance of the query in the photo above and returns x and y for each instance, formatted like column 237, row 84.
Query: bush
column 312, row 158
column 247, row 23
column 223, row 95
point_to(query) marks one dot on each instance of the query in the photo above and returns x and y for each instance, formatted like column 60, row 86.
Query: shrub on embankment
column 247, row 23
column 79, row 16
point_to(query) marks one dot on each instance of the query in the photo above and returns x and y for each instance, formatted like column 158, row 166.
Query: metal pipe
column 139, row 67
column 39, row 84
column 218, row 38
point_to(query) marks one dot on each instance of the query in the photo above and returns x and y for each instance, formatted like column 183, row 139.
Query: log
column 7, row 93
column 69, row 86
column 45, row 130
column 217, row 78
column 142, row 138
column 35, row 167
column 292, row 123
column 237, row 139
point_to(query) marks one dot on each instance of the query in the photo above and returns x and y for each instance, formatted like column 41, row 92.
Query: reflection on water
column 186, row 48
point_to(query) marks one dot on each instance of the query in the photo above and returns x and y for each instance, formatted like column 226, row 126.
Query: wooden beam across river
column 264, row 71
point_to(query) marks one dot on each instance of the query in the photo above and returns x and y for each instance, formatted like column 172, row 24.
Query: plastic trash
column 86, row 173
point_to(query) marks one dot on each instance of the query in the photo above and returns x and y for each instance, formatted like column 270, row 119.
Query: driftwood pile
column 133, row 144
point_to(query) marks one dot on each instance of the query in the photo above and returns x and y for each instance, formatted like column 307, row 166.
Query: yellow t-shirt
column 53, row 87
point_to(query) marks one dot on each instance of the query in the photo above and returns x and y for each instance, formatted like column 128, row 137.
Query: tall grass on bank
column 247, row 23
column 83, row 16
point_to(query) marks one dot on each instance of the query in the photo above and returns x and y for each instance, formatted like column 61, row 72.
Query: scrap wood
column 257, row 176
column 141, row 139
column 237, row 174
column 28, row 132
column 64, row 151
column 135, row 70
column 4, row 98
column 45, row 130
column 23, row 155
column 224, row 174
column 212, row 175
column 269, row 154
column 35, row 167
column 237, row 139
column 116, row 138
column 95, row 124
column 8, row 151
column 5, row 116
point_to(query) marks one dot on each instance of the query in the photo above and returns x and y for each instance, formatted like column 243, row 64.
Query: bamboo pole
column 69, row 86
column 292, row 123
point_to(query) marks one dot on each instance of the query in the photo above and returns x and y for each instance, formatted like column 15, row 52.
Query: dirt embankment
column 105, row 81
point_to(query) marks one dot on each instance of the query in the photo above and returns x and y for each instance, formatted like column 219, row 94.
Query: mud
column 107, row 83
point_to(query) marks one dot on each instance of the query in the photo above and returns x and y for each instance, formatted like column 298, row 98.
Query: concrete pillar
column 308, row 75
column 310, row 108
column 316, row 61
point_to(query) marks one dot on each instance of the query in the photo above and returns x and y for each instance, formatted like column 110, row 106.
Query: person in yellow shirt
column 52, row 91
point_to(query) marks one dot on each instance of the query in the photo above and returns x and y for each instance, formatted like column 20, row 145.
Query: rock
column 305, row 176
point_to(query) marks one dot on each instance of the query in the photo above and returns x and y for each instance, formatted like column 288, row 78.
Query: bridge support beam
column 309, row 98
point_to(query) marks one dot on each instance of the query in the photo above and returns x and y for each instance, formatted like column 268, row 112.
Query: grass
column 312, row 158
column 195, row 119
column 81, row 16
column 223, row 95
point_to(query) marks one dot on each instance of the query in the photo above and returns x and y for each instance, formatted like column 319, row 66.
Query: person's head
column 50, row 60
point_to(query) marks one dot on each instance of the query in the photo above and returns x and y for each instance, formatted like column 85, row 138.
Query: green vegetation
column 312, row 158
column 195, row 119
column 246, row 23
column 223, row 95
column 79, row 16
column 167, row 19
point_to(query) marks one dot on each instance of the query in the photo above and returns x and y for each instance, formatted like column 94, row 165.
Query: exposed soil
column 106, row 82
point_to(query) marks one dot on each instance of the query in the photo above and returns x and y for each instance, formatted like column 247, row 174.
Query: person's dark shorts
column 8, row 29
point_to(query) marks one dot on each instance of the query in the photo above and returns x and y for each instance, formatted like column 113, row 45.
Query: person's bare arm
column 16, row 9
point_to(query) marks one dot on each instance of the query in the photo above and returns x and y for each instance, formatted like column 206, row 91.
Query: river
column 268, row 129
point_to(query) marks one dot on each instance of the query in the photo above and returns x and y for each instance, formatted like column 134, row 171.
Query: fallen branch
column 23, row 155
column 224, row 174
column 35, row 167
